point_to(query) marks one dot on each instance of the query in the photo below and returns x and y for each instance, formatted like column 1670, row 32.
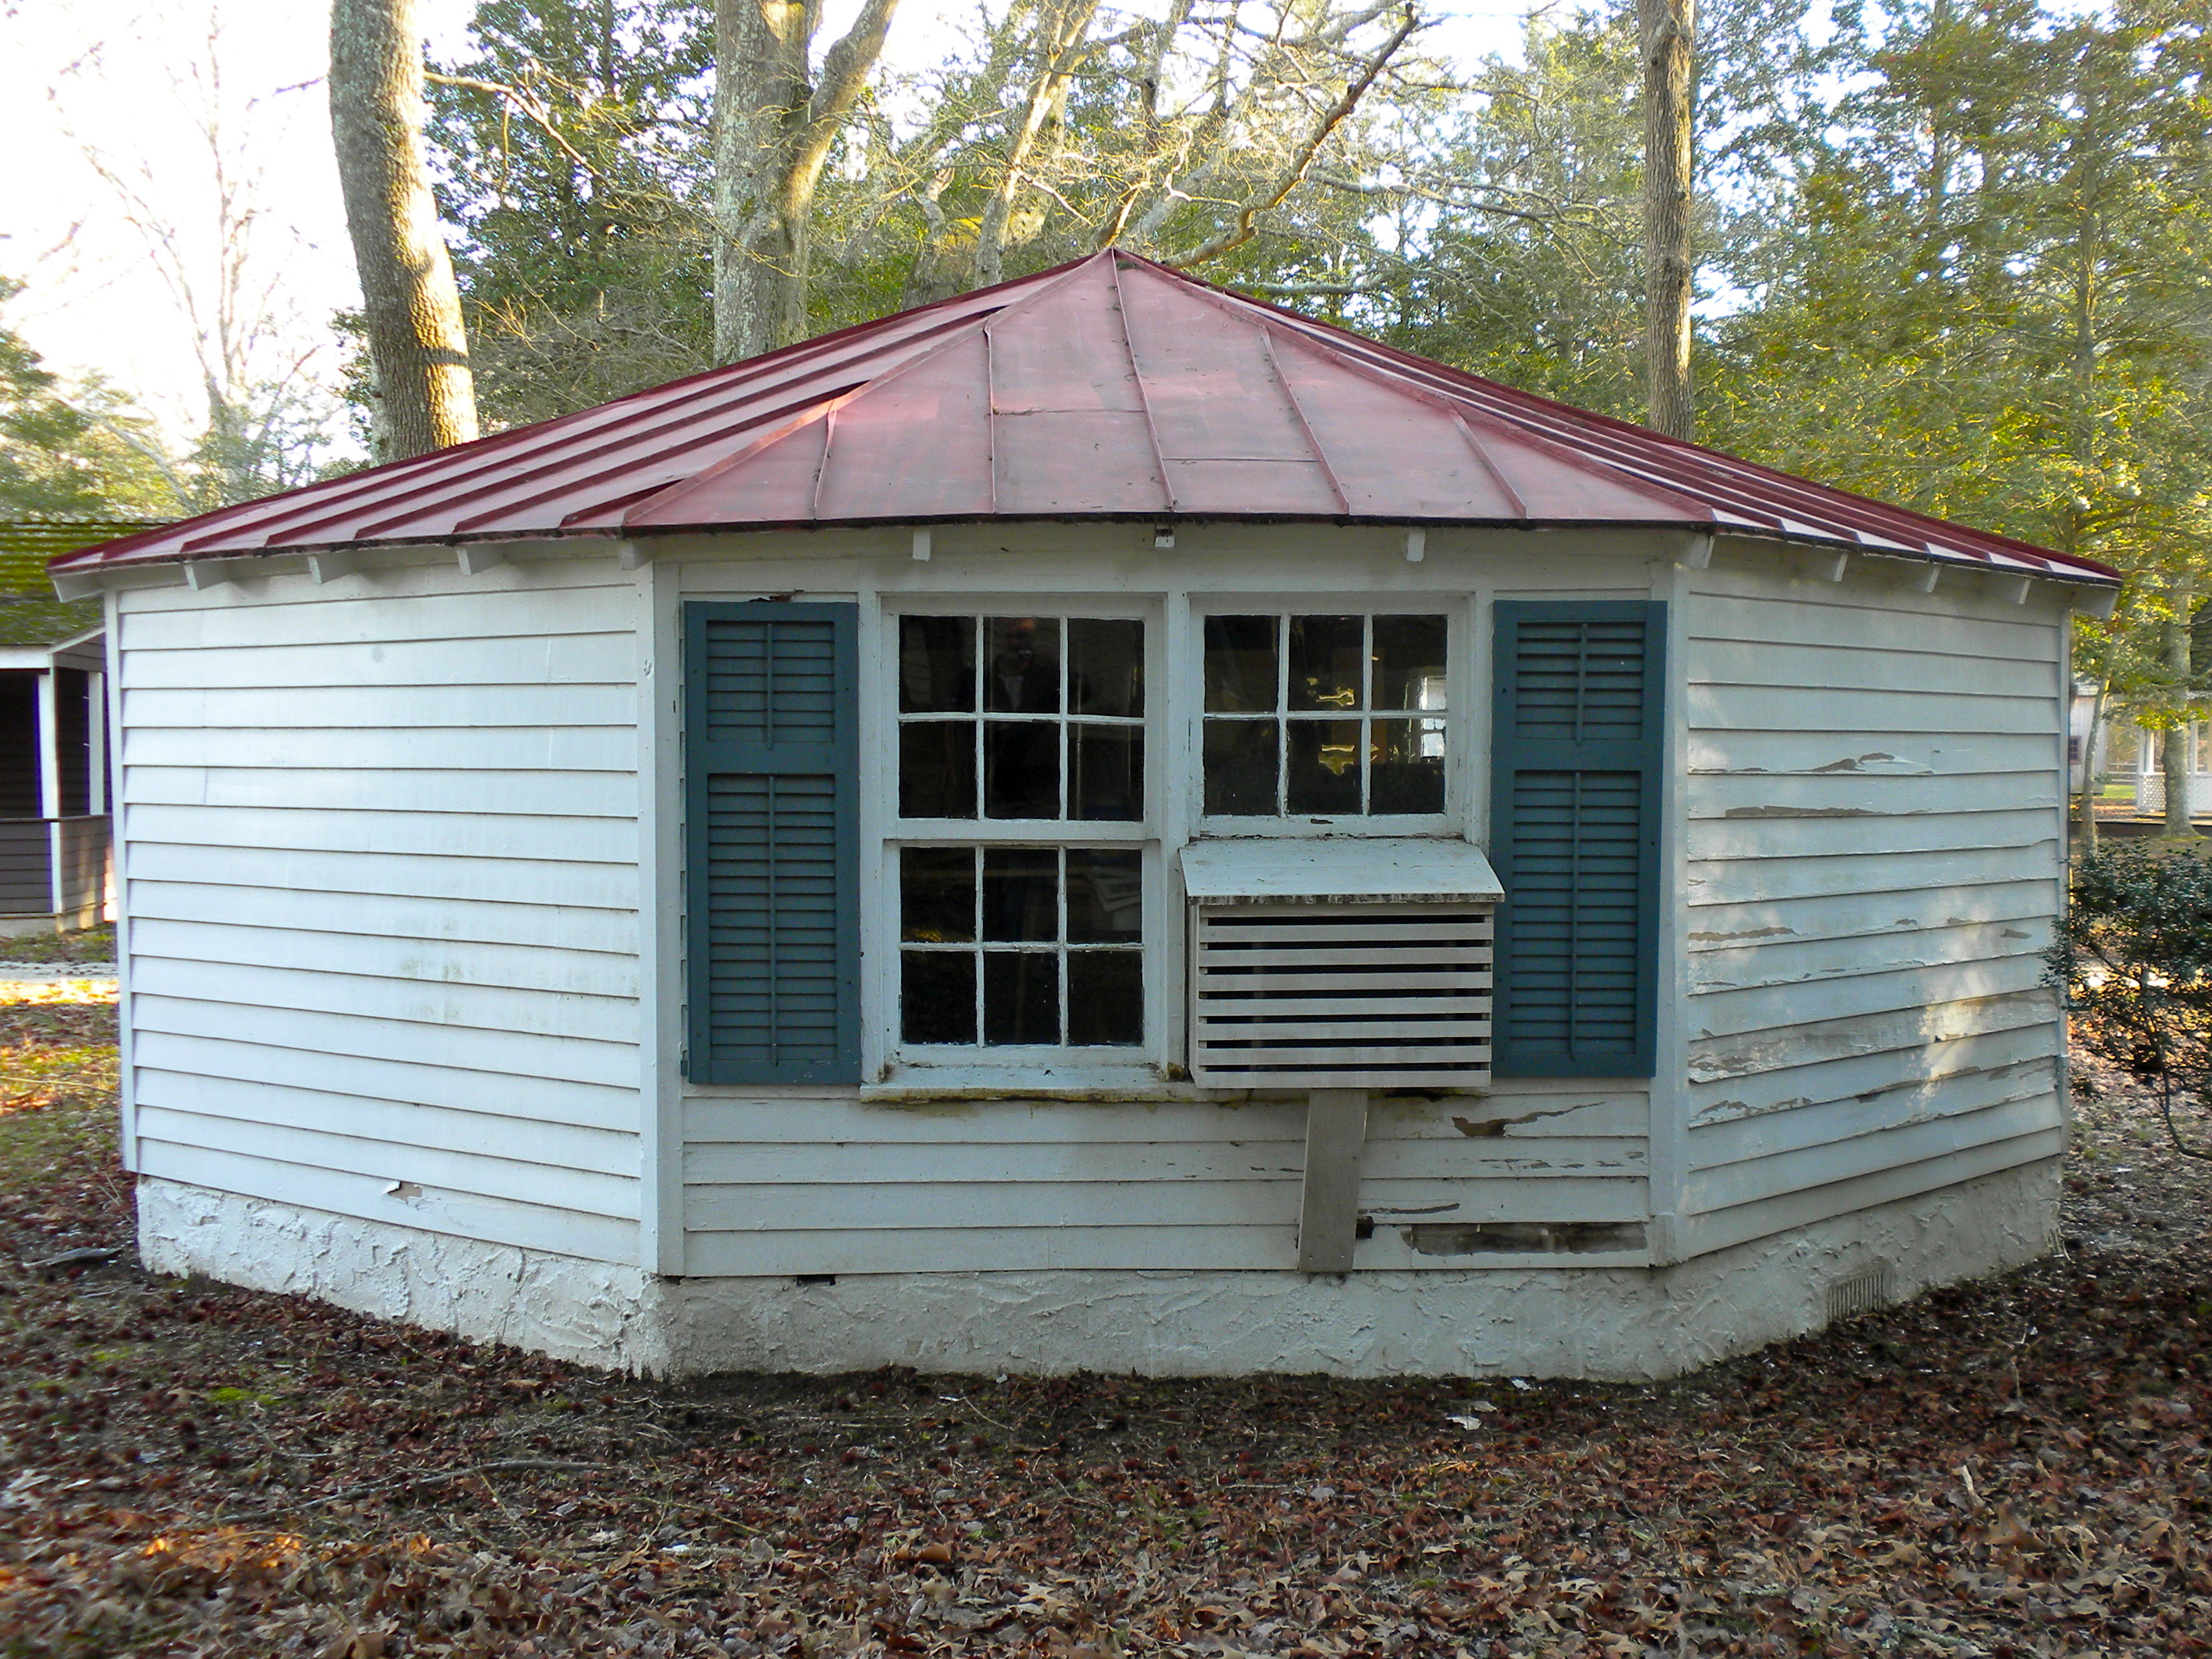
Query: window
column 1015, row 929
column 1009, row 946
column 1044, row 721
column 1324, row 715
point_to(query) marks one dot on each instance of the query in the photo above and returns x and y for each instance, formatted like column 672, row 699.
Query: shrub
column 2133, row 958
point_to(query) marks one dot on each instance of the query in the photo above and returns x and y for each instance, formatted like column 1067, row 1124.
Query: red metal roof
column 1111, row 387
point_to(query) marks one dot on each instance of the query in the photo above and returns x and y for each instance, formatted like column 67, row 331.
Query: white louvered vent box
column 1341, row 964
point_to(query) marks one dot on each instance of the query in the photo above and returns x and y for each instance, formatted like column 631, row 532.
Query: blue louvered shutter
column 1575, row 774
column 771, row 779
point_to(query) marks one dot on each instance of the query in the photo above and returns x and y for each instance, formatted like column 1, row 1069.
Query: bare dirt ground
column 2013, row 1467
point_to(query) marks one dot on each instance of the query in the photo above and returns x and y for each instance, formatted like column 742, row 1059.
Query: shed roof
column 1108, row 388
column 29, row 613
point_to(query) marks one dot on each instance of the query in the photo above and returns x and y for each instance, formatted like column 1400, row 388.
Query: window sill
column 1056, row 1079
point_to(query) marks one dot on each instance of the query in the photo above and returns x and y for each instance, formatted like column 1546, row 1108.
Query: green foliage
column 69, row 452
column 577, row 166
column 1529, row 269
column 2133, row 957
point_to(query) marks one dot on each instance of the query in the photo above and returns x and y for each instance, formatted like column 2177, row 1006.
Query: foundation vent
column 1862, row 1292
column 1341, row 996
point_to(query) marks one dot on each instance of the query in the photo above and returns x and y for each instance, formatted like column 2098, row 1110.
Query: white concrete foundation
column 1633, row 1323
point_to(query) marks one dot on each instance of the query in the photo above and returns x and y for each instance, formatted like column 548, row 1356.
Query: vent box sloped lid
column 1365, row 870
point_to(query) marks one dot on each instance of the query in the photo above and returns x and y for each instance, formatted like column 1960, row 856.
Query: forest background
column 1950, row 254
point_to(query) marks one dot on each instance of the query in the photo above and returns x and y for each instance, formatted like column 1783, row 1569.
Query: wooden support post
column 1336, row 1136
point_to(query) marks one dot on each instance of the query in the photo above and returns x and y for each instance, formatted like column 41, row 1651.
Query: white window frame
column 1458, row 610
column 1033, row 1066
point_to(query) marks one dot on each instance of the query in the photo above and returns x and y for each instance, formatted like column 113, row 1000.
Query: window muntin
column 1324, row 715
column 1021, row 946
column 1031, row 718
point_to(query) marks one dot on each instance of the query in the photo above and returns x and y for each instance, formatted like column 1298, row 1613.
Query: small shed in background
column 55, row 867
column 1096, row 823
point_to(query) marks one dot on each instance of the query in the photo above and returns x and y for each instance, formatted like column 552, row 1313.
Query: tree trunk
column 1061, row 33
column 418, row 349
column 2177, row 740
column 1665, row 28
column 773, row 130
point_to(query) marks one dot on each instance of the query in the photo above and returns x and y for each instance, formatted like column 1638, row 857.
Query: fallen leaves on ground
column 2013, row 1467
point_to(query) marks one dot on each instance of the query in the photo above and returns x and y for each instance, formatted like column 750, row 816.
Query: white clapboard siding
column 803, row 1165
column 462, row 1006
column 784, row 1186
column 1726, row 751
column 1777, row 963
column 1744, row 1139
column 1138, row 1204
column 423, row 787
column 340, row 708
column 1735, row 840
column 1861, row 709
column 1819, row 1042
column 1240, row 1247
column 402, row 606
column 1874, row 840
column 567, row 971
column 1866, row 1076
column 545, row 932
column 568, row 749
column 379, row 875
column 502, row 1058
column 381, row 841
column 1719, row 929
column 605, row 659
column 1721, row 1014
column 1805, row 665
column 1750, row 606
column 399, row 1122
column 483, row 835
column 589, row 1191
column 1751, row 881
column 1783, row 799
column 376, row 1078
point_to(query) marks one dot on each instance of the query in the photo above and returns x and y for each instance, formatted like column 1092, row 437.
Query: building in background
column 55, row 860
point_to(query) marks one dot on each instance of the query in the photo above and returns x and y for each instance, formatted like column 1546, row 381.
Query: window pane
column 1021, row 768
column 937, row 895
column 1106, row 772
column 1406, row 767
column 1021, row 893
column 1409, row 662
column 1023, row 674
column 1324, row 766
column 937, row 996
column 1105, row 667
column 1325, row 661
column 936, row 663
column 1106, row 997
column 1105, row 896
column 1021, row 996
column 1240, row 664
column 937, row 769
column 1240, row 766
